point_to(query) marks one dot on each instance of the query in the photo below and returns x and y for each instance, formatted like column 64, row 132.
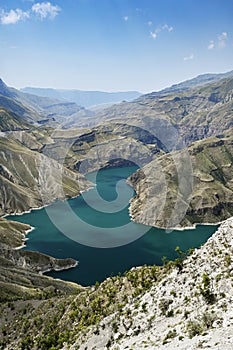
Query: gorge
column 163, row 151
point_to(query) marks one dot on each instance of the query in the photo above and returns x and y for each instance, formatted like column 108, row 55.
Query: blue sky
column 113, row 45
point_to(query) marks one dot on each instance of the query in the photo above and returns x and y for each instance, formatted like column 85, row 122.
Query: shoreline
column 47, row 205
column 59, row 269
column 25, row 239
column 179, row 228
column 183, row 228
column 27, row 211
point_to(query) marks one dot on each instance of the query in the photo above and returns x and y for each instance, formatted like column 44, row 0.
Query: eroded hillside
column 203, row 187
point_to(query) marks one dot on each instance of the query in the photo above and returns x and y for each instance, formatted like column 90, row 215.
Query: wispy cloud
column 42, row 9
column 222, row 38
column 211, row 45
column 189, row 57
column 167, row 27
column 46, row 10
column 126, row 18
column 154, row 34
column 219, row 43
column 13, row 16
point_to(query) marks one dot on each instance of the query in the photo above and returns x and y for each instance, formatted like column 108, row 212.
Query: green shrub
column 194, row 328
column 170, row 313
column 164, row 305
column 171, row 334
column 227, row 260
column 26, row 343
column 205, row 289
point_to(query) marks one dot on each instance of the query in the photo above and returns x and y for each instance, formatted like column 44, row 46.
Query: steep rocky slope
column 189, row 308
column 10, row 121
column 30, row 180
column 203, row 188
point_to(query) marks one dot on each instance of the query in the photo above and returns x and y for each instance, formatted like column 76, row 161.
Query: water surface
column 95, row 264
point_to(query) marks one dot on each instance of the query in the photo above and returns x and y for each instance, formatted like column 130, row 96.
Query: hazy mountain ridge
column 200, row 80
column 35, row 108
column 84, row 98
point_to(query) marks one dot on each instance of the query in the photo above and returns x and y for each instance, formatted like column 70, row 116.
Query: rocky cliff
column 30, row 180
column 183, row 189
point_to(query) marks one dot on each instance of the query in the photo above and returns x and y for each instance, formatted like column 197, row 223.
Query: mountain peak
column 5, row 90
column 2, row 84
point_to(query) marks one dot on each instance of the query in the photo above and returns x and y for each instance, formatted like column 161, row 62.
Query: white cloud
column 189, row 57
column 46, row 10
column 167, row 27
column 220, row 42
column 211, row 45
column 125, row 18
column 222, row 36
column 42, row 9
column 13, row 16
column 154, row 35
column 149, row 23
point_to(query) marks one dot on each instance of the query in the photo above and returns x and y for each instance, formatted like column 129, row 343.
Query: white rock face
column 191, row 308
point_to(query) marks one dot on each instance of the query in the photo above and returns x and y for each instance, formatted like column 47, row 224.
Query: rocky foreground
column 189, row 308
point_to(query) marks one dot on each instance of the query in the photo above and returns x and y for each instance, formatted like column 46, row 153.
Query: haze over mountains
column 84, row 98
column 33, row 108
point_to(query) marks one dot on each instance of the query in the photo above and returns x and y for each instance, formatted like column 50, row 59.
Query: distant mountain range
column 36, row 109
column 84, row 98
column 200, row 80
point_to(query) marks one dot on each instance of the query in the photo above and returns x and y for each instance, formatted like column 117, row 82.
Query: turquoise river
column 95, row 264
